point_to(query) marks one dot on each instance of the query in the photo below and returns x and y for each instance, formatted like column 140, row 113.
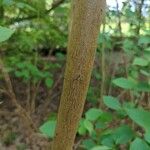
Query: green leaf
column 147, row 49
column 123, row 135
column 93, row 114
column 33, row 69
column 49, row 82
column 5, row 33
column 124, row 83
column 147, row 137
column 101, row 148
column 82, row 130
column 100, row 125
column 21, row 65
column 88, row 125
column 106, row 117
column 139, row 144
column 140, row 116
column 108, row 140
column 48, row 128
column 22, row 74
column 140, row 62
column 143, row 87
column 7, row 2
column 144, row 40
column 112, row 102
column 25, row 5
column 88, row 144
column 145, row 72
column 129, row 46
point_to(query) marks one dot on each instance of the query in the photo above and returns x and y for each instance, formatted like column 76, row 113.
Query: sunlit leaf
column 5, row 33
column 112, row 102
column 124, row 83
column 48, row 128
column 49, row 82
column 88, row 125
column 144, row 40
column 123, row 134
column 147, row 137
column 139, row 144
column 88, row 144
column 93, row 114
column 82, row 130
column 140, row 116
column 101, row 148
column 140, row 62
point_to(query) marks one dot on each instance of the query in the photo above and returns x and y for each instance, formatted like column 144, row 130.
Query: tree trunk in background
column 1, row 10
column 84, row 29
column 139, row 5
column 119, row 18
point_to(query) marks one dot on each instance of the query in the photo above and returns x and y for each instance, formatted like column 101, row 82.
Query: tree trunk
column 119, row 18
column 139, row 5
column 84, row 29
column 1, row 11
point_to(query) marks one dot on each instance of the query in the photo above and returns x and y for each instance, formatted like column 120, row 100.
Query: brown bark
column 84, row 29
column 119, row 18
column 19, row 109
column 139, row 5
column 140, row 16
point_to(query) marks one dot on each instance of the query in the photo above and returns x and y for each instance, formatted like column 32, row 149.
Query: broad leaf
column 48, row 128
column 88, row 144
column 124, row 83
column 82, row 130
column 5, row 33
column 147, row 137
column 25, row 6
column 143, row 87
column 7, row 2
column 112, row 102
column 108, row 140
column 123, row 135
column 139, row 144
column 140, row 116
column 144, row 40
column 49, row 82
column 93, row 114
column 101, row 148
column 106, row 117
column 88, row 125
column 140, row 62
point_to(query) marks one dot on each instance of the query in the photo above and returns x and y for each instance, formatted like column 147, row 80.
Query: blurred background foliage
column 120, row 85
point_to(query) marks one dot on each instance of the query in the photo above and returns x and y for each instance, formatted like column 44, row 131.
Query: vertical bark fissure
column 84, row 29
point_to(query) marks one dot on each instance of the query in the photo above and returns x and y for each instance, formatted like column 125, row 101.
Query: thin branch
column 119, row 18
column 20, row 110
column 54, row 5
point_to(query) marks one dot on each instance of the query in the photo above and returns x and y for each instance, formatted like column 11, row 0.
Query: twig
column 112, row 76
column 20, row 110
column 121, row 94
column 28, row 93
column 51, row 91
column 76, row 146
column 119, row 18
column 54, row 5
column 34, row 91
